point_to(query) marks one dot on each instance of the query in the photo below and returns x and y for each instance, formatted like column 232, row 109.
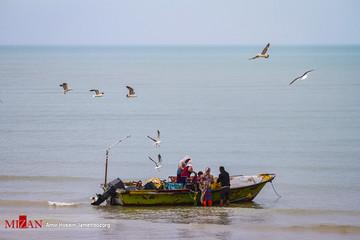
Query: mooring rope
column 194, row 198
column 274, row 189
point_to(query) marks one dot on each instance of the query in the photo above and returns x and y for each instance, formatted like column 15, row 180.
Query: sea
column 209, row 102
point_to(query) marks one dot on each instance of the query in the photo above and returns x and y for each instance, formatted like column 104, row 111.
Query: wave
column 46, row 178
column 64, row 204
column 335, row 229
column 39, row 203
column 315, row 211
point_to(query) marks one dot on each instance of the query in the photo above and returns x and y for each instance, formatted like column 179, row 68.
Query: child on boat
column 198, row 180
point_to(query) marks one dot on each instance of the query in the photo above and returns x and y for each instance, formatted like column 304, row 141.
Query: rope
column 274, row 189
column 195, row 194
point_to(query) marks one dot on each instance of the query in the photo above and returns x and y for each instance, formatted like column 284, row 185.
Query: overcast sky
column 148, row 22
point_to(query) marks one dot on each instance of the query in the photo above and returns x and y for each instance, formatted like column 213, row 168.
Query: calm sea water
column 211, row 103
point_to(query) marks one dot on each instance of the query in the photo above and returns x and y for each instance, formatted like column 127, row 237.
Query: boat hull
column 186, row 197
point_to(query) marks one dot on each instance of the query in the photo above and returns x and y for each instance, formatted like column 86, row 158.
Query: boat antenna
column 107, row 155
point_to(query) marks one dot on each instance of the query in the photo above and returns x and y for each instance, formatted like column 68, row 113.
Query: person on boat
column 188, row 169
column 181, row 167
column 224, row 179
column 200, row 175
column 205, row 186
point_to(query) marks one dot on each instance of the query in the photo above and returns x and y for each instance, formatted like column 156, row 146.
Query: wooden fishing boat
column 243, row 188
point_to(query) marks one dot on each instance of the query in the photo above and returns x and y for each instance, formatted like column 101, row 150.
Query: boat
column 243, row 188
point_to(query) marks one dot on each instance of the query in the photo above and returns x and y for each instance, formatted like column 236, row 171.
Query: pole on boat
column 107, row 155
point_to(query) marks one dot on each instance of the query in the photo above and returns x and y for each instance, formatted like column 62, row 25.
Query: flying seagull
column 65, row 87
column 97, row 93
column 131, row 92
column 301, row 77
column 157, row 141
column 157, row 164
column 263, row 53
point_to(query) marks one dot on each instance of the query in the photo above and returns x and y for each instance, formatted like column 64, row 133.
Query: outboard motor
column 109, row 192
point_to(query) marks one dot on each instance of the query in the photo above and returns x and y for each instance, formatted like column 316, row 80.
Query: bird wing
column 307, row 72
column 294, row 80
column 131, row 90
column 153, row 161
column 160, row 160
column 151, row 138
column 158, row 134
column 95, row 90
column 254, row 57
column 265, row 49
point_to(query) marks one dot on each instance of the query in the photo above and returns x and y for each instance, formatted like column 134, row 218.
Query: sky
column 178, row 22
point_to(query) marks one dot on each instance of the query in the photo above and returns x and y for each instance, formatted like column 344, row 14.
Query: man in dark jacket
column 224, row 179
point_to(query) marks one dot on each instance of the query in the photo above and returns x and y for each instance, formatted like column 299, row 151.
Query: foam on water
column 63, row 204
column 20, row 203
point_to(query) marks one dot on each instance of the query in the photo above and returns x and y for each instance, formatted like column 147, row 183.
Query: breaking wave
column 39, row 203
column 63, row 204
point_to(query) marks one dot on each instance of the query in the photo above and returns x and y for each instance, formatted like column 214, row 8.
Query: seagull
column 131, row 92
column 97, row 93
column 157, row 164
column 65, row 87
column 301, row 77
column 263, row 53
column 157, row 141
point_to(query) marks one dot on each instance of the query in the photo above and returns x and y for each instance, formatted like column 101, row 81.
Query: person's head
column 189, row 162
column 207, row 170
column 200, row 173
column 222, row 169
column 186, row 159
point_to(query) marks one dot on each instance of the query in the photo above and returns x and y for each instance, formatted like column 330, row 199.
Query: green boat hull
column 185, row 197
